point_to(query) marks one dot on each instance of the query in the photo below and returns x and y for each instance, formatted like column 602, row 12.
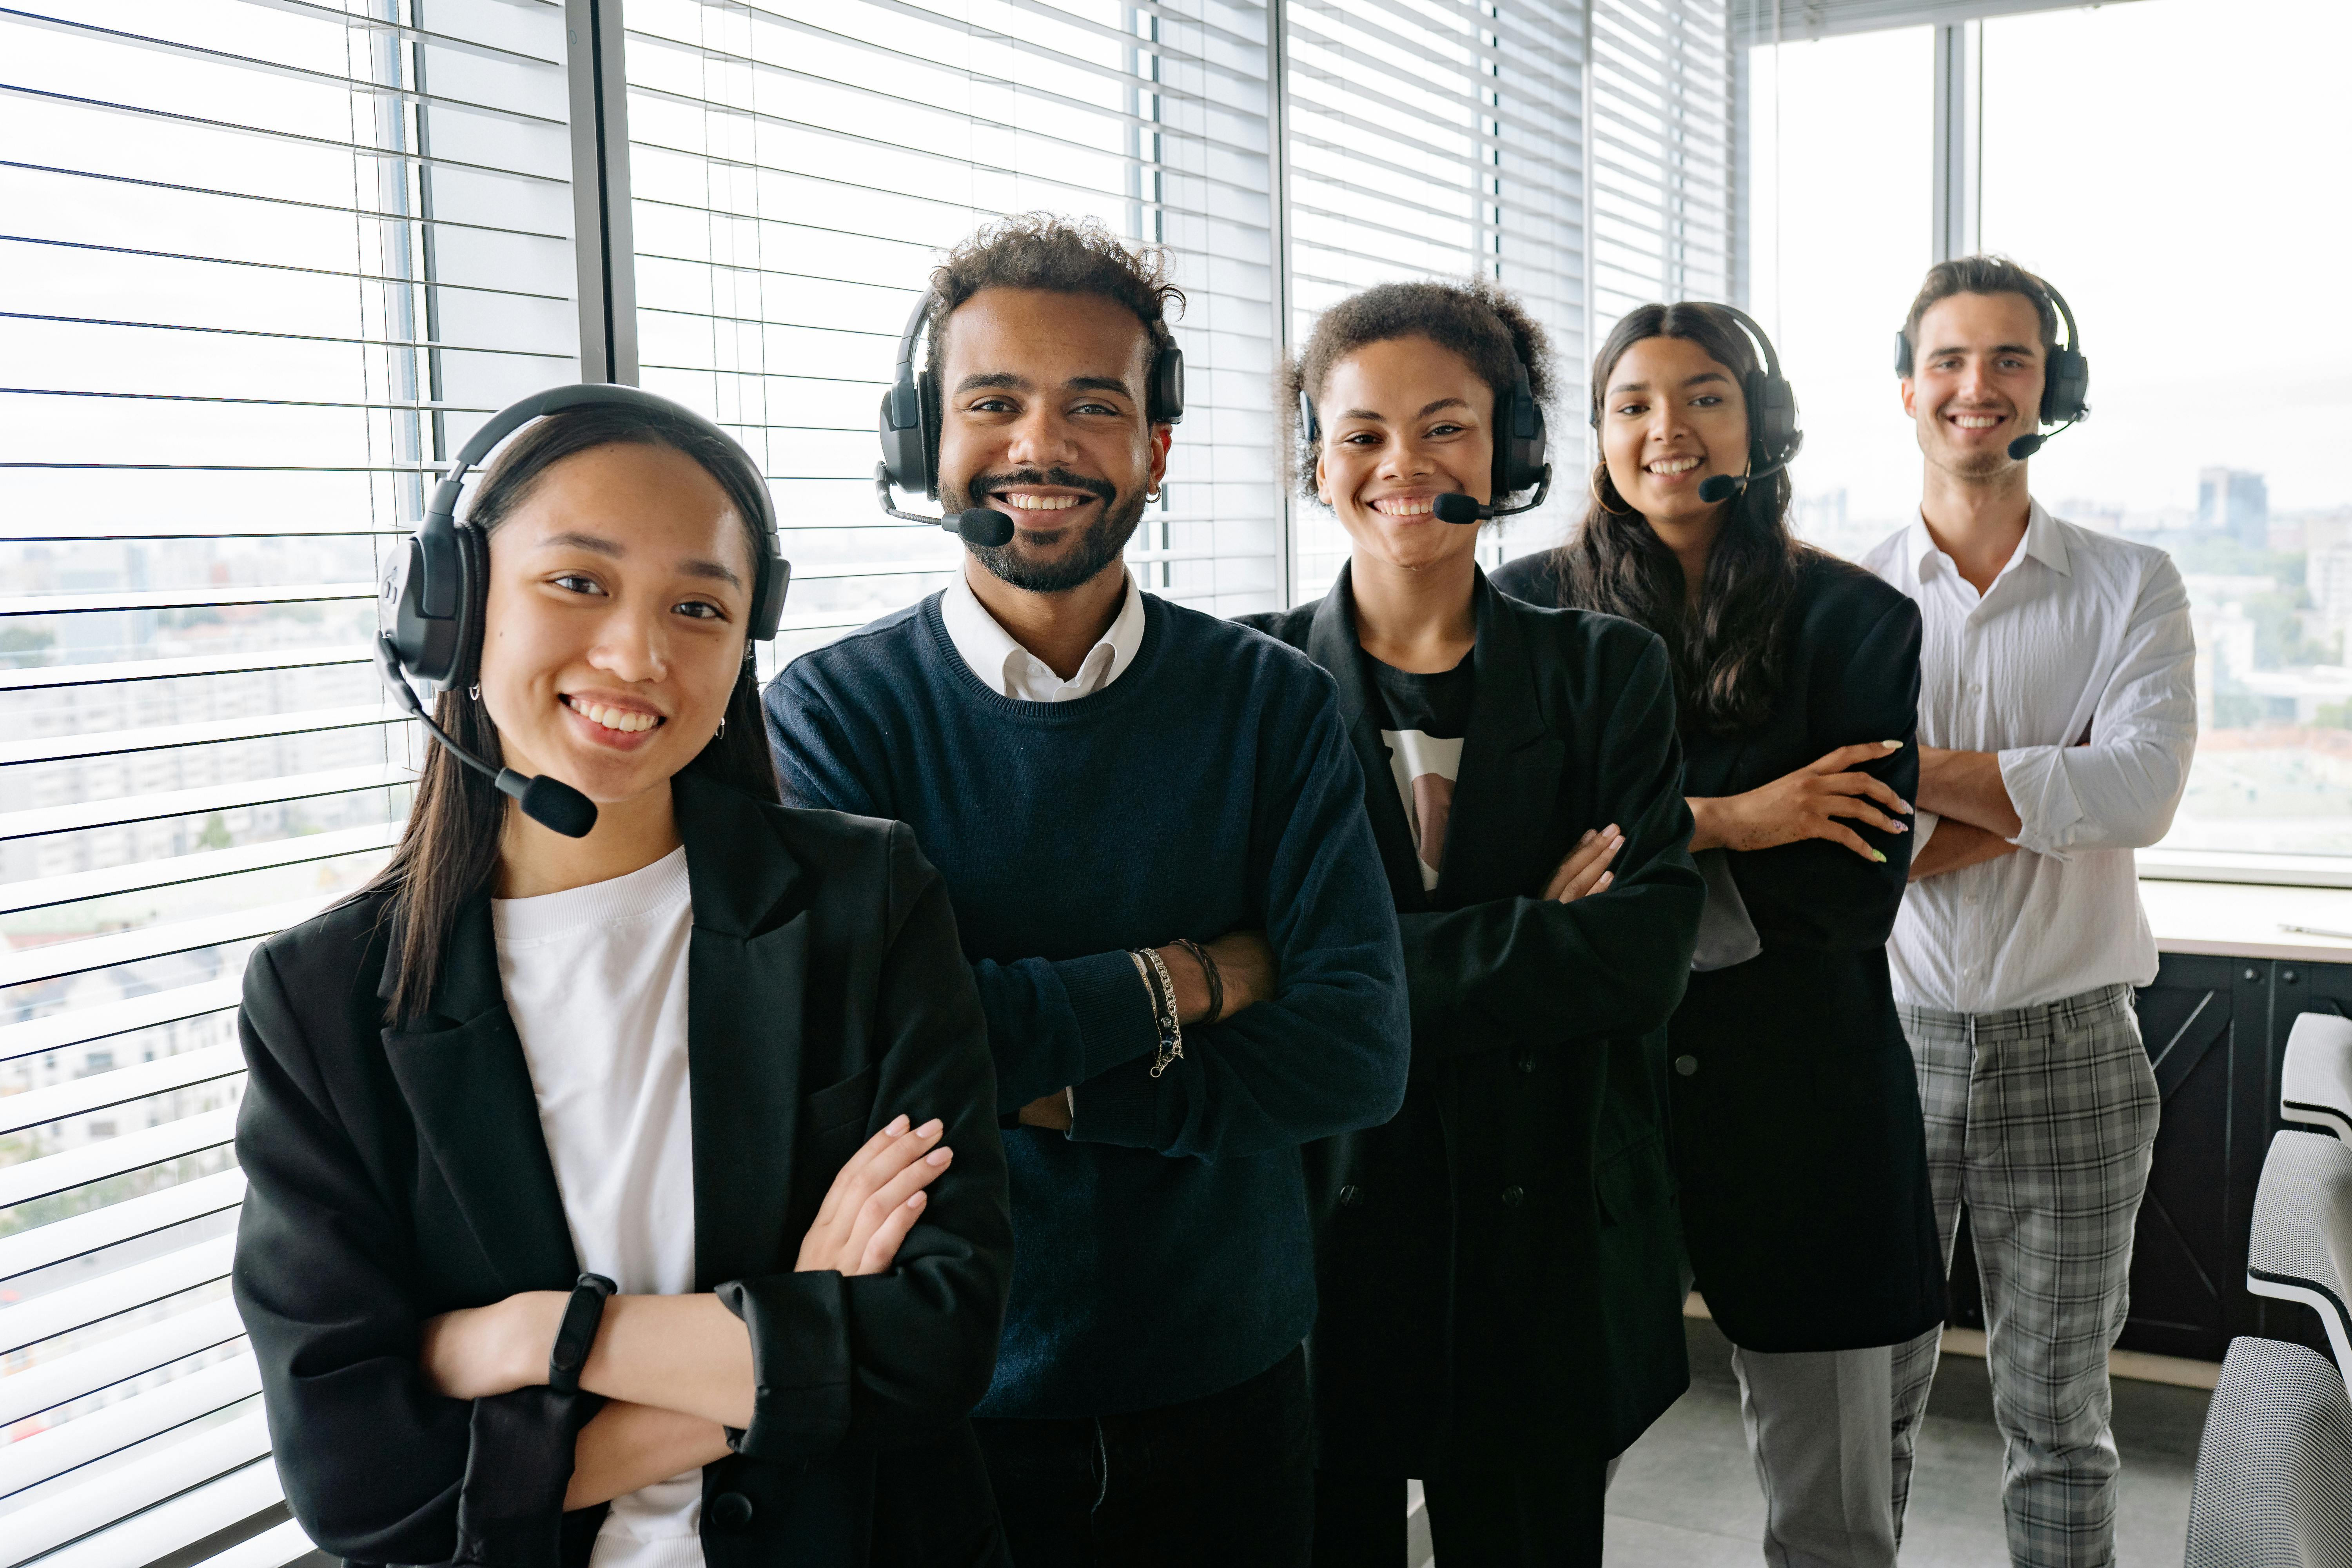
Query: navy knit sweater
column 1161, row 1248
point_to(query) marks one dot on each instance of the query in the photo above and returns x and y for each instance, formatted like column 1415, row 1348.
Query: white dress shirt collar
column 2045, row 541
column 1007, row 668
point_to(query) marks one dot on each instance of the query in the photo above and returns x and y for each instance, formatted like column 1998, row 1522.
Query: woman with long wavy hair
column 1795, row 1130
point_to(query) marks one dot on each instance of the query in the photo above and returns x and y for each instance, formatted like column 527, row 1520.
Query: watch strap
column 582, row 1315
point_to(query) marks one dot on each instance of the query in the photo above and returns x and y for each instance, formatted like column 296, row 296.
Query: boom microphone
column 1455, row 507
column 1723, row 486
column 550, row 802
column 2025, row 447
column 975, row 525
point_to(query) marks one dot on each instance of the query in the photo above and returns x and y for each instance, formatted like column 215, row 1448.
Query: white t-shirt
column 595, row 980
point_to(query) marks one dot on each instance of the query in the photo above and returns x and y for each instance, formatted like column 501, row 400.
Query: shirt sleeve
column 376, row 1466
column 1051, row 1023
column 1817, row 894
column 1327, row 1052
column 2119, row 791
column 1614, row 963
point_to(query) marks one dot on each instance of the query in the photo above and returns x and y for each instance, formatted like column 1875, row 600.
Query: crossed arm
column 1977, row 821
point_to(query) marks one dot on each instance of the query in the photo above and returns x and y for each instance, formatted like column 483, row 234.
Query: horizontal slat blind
column 264, row 262
column 1436, row 138
column 1765, row 21
column 797, row 168
column 1661, row 154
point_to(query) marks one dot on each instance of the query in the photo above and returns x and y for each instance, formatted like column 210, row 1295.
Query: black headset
column 2065, row 381
column 434, row 597
column 1775, row 432
column 1519, row 462
column 911, row 425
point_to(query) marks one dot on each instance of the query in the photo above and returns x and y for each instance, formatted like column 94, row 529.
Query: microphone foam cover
column 554, row 805
column 2025, row 447
column 1455, row 507
column 1717, row 486
column 981, row 525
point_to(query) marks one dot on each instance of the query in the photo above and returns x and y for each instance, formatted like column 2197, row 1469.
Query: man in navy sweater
column 1139, row 811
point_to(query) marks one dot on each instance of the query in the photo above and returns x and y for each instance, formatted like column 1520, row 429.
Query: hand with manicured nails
column 1814, row 802
column 874, row 1200
column 1584, row 869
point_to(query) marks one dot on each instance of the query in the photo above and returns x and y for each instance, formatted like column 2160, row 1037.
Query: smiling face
column 1976, row 383
column 1404, row 421
column 619, row 599
column 1672, row 415
column 1043, row 418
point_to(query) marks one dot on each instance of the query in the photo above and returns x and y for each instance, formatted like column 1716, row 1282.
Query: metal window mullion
column 604, row 255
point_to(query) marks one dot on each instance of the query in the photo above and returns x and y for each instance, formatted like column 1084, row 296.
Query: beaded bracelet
column 1171, row 1030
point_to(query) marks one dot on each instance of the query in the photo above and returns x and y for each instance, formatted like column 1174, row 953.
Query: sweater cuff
column 1119, row 1107
column 1112, row 1009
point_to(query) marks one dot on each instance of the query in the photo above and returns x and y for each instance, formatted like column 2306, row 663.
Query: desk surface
column 2239, row 920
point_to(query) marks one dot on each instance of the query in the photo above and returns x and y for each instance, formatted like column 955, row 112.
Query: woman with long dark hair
column 617, row 1195
column 1498, row 1281
column 1797, row 1137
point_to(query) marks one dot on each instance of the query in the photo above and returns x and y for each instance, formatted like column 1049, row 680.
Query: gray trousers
column 1817, row 1426
column 2041, row 1120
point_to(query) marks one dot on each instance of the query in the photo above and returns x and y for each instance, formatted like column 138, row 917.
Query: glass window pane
column 2169, row 172
column 1841, row 139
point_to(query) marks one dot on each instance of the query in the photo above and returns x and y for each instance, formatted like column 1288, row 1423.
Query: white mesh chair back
column 2275, row 1466
column 2301, row 1248
column 2315, row 1084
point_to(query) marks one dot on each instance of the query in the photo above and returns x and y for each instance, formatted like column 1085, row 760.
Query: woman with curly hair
column 1497, row 1270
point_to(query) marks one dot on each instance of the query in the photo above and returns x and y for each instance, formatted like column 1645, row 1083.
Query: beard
column 1966, row 465
column 1100, row 545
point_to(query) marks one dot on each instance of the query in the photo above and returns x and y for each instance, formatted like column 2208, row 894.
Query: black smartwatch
column 580, row 1316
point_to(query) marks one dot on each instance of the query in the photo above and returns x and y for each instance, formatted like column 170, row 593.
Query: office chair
column 2315, row 1083
column 2275, row 1466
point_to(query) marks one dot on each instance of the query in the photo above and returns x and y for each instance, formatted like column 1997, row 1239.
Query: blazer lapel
column 469, row 1087
column 1331, row 643
column 746, row 978
column 1510, row 766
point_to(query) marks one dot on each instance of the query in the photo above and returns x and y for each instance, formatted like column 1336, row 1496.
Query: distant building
column 2327, row 578
column 2236, row 502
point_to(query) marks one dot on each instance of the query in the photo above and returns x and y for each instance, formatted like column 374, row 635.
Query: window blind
column 1768, row 21
column 1430, row 139
column 1661, row 154
column 263, row 263
column 797, row 169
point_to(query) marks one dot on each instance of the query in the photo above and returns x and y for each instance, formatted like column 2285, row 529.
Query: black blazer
column 1797, row 1133
column 1497, row 1269
column 396, row 1174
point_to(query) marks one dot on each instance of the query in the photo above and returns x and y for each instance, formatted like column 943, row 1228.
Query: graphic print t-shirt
column 1422, row 721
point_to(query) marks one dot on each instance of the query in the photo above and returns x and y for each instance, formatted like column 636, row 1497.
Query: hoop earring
column 475, row 692
column 722, row 728
column 1600, row 478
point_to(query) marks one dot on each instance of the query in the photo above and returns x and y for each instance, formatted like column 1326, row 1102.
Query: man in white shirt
column 2057, row 717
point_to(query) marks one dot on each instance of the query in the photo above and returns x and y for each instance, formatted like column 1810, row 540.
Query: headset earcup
column 473, row 584
column 1902, row 353
column 2066, row 389
column 1166, row 399
column 905, row 437
column 430, row 647
column 1519, row 454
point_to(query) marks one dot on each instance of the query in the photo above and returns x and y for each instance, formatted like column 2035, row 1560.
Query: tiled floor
column 1685, row 1497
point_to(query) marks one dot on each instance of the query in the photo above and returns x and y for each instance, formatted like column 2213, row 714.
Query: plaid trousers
column 2042, row 1120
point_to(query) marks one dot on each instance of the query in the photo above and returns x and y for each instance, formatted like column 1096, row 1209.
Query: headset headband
column 439, row 592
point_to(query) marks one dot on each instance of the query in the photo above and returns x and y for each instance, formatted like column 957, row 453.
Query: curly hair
column 1057, row 254
column 1476, row 317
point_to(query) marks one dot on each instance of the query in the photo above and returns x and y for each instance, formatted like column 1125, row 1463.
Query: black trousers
column 1535, row 1518
column 1227, row 1481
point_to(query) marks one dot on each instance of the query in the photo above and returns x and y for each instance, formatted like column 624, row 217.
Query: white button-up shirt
column 1007, row 668
column 2077, row 666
